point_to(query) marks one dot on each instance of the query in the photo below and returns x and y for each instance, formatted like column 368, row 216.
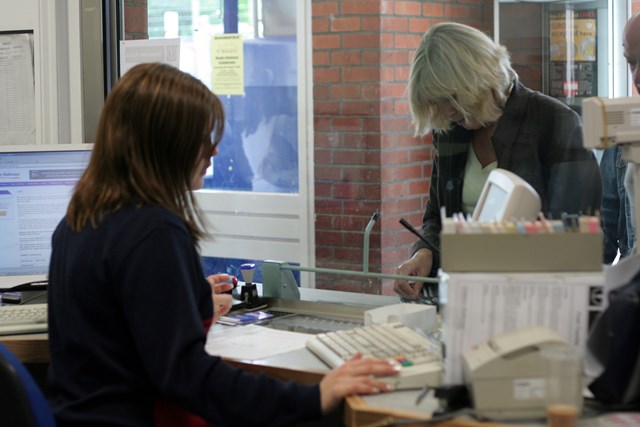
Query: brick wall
column 135, row 20
column 366, row 158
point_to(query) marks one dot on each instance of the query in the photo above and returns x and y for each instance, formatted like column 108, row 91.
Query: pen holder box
column 521, row 252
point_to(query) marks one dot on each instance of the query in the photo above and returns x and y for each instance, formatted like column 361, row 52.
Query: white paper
column 252, row 342
column 134, row 52
column 17, row 90
column 479, row 306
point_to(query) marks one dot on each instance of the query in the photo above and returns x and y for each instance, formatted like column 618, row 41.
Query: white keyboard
column 420, row 358
column 23, row 319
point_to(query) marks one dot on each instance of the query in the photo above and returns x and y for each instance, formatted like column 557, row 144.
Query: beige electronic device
column 506, row 374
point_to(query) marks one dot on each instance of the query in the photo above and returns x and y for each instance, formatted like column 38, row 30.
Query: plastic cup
column 563, row 389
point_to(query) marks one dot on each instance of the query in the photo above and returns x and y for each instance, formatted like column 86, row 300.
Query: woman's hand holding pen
column 221, row 302
column 355, row 376
column 418, row 265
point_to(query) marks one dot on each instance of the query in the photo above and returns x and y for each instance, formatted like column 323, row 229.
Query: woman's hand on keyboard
column 356, row 376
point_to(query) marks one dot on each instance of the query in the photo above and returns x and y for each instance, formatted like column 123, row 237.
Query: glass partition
column 324, row 121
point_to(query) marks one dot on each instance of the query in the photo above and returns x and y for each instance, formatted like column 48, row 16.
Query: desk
column 29, row 348
column 299, row 365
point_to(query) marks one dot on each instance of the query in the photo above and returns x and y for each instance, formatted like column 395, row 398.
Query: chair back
column 22, row 402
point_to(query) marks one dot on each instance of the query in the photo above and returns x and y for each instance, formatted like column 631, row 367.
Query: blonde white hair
column 461, row 67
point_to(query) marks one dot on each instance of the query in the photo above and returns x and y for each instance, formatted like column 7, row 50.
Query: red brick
column 394, row 24
column 346, row 91
column 330, row 238
column 393, row 90
column 401, row 107
column 370, row 90
column 456, row 12
column 324, row 8
column 387, row 74
column 396, row 189
column 319, row 25
column 360, row 108
column 345, row 24
column 321, row 124
column 329, row 41
column 386, row 40
column 370, row 23
column 326, row 75
column 418, row 25
column 409, row 41
column 386, row 107
column 326, row 107
column 413, row 8
column 135, row 20
column 321, row 58
column 346, row 57
column 395, row 57
column 363, row 7
column 346, row 191
column 346, row 124
column 328, row 172
column 363, row 74
column 360, row 40
column 371, row 190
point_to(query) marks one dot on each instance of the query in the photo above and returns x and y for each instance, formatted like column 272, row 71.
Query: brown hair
column 156, row 123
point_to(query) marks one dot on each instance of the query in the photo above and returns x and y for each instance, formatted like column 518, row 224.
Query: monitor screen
column 36, row 183
column 494, row 204
column 506, row 197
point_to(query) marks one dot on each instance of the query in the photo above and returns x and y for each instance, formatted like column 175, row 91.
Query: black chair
column 22, row 402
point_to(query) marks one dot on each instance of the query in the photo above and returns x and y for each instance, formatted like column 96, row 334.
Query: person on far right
column 631, row 45
column 615, row 212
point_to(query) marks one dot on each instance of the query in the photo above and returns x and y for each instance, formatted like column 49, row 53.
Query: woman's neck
column 482, row 145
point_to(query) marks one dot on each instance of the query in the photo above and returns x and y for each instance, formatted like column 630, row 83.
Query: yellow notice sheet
column 227, row 64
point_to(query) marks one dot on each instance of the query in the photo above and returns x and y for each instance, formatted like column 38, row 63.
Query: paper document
column 252, row 342
column 17, row 89
column 134, row 52
column 479, row 306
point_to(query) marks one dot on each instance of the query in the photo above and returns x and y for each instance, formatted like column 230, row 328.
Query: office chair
column 22, row 403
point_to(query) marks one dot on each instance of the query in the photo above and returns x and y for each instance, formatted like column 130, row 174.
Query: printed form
column 478, row 306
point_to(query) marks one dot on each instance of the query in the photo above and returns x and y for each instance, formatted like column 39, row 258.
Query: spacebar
column 23, row 328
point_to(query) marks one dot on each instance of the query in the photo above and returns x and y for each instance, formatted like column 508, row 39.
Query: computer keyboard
column 419, row 357
column 23, row 319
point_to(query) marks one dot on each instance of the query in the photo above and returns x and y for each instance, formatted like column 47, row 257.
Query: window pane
column 259, row 150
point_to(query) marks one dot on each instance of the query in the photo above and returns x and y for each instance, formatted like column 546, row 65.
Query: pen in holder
column 249, row 292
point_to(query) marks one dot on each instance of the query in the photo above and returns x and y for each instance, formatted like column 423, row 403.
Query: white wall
column 55, row 25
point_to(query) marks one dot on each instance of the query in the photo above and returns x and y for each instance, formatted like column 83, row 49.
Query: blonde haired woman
column 464, row 91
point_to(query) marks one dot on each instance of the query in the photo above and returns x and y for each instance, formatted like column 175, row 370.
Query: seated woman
column 129, row 306
column 463, row 89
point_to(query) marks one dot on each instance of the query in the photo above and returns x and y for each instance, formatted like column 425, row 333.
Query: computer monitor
column 610, row 121
column 36, row 183
column 504, row 197
column 616, row 121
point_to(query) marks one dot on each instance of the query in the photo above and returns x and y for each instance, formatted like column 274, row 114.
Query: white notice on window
column 17, row 92
column 479, row 306
column 134, row 52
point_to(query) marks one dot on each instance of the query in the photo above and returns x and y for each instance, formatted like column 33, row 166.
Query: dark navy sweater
column 127, row 305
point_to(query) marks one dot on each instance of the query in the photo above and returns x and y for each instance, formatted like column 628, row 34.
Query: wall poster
column 17, row 88
column 572, row 53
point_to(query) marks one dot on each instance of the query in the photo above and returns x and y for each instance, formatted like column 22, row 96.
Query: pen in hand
column 409, row 227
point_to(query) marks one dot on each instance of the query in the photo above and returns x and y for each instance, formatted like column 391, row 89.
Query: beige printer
column 506, row 374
